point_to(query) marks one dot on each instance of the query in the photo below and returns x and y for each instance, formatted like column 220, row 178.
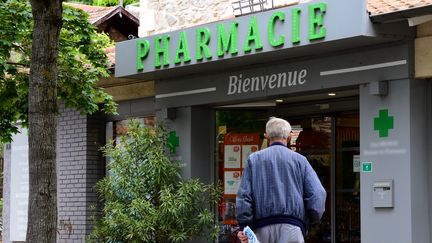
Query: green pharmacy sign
column 366, row 166
column 383, row 123
column 173, row 141
column 268, row 35
column 228, row 40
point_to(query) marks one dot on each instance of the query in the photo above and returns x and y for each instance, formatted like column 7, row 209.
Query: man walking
column 279, row 193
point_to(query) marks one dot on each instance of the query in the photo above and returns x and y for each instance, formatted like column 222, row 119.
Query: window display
column 329, row 143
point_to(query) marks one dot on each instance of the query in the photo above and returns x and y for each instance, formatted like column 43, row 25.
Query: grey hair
column 278, row 128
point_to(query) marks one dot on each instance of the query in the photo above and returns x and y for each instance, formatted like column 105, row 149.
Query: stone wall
column 161, row 16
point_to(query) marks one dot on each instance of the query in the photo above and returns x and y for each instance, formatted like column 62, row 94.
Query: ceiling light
column 279, row 101
column 331, row 94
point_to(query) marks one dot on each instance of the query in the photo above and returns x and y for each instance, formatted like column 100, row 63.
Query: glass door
column 347, row 179
column 312, row 137
column 239, row 132
column 331, row 145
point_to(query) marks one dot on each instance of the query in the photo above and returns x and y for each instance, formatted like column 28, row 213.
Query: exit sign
column 366, row 167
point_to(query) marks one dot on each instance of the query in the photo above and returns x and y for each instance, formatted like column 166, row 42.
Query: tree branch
column 17, row 64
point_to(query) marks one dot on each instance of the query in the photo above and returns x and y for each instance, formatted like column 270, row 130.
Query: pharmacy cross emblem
column 383, row 123
column 173, row 141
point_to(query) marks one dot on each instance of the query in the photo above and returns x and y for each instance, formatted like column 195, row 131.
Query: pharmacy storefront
column 346, row 85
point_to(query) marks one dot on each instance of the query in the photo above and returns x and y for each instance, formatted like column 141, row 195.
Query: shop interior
column 325, row 129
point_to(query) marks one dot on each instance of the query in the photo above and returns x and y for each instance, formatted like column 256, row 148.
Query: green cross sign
column 366, row 166
column 383, row 123
column 173, row 141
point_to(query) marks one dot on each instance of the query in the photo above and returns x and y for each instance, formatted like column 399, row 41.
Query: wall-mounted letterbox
column 382, row 194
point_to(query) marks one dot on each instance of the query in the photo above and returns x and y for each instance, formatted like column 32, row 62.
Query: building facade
column 352, row 78
column 350, row 82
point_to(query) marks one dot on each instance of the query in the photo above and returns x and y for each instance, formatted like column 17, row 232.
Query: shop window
column 331, row 145
column 239, row 133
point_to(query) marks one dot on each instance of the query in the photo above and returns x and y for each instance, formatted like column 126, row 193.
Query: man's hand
column 243, row 238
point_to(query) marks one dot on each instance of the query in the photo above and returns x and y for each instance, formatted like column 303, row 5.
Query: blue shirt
column 279, row 185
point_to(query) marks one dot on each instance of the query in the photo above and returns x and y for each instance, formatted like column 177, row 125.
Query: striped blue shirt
column 278, row 183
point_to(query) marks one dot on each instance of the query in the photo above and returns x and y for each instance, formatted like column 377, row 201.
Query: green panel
column 366, row 166
column 295, row 35
column 143, row 47
column 227, row 42
column 161, row 49
column 383, row 123
column 182, row 49
column 271, row 28
column 203, row 40
column 317, row 30
column 253, row 35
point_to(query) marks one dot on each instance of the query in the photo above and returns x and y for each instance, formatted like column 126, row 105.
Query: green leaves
column 145, row 198
column 15, row 17
column 82, row 61
column 111, row 2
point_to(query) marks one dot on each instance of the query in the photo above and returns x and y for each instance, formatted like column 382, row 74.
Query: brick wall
column 79, row 166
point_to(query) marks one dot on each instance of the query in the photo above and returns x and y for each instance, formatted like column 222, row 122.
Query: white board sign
column 19, row 187
column 356, row 163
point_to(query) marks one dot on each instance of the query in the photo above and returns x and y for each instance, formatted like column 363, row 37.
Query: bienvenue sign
column 277, row 30
column 237, row 84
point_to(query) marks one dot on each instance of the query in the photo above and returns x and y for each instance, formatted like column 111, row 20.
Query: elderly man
column 280, row 192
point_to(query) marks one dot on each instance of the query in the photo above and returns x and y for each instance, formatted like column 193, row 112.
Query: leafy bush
column 145, row 199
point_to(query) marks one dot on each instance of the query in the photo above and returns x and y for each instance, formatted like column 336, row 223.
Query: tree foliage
column 106, row 2
column 145, row 200
column 81, row 62
column 112, row 2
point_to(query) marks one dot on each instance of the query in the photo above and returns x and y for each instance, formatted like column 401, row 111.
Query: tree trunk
column 42, row 210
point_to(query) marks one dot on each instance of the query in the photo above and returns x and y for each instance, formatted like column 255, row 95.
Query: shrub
column 145, row 199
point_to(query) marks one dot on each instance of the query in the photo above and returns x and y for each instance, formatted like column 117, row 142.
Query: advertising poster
column 356, row 163
column 246, row 151
column 232, row 156
column 231, row 182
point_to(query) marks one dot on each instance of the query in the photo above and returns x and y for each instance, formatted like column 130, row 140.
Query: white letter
column 264, row 81
column 292, row 76
column 246, row 83
column 272, row 80
column 232, row 87
column 255, row 83
column 281, row 77
column 301, row 76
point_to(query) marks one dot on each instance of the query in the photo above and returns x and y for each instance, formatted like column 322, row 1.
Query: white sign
column 232, row 156
column 19, row 186
column 231, row 182
column 356, row 163
column 246, row 151
column 239, row 84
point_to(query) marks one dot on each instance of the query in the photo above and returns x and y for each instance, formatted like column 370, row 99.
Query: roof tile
column 376, row 7
column 95, row 12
